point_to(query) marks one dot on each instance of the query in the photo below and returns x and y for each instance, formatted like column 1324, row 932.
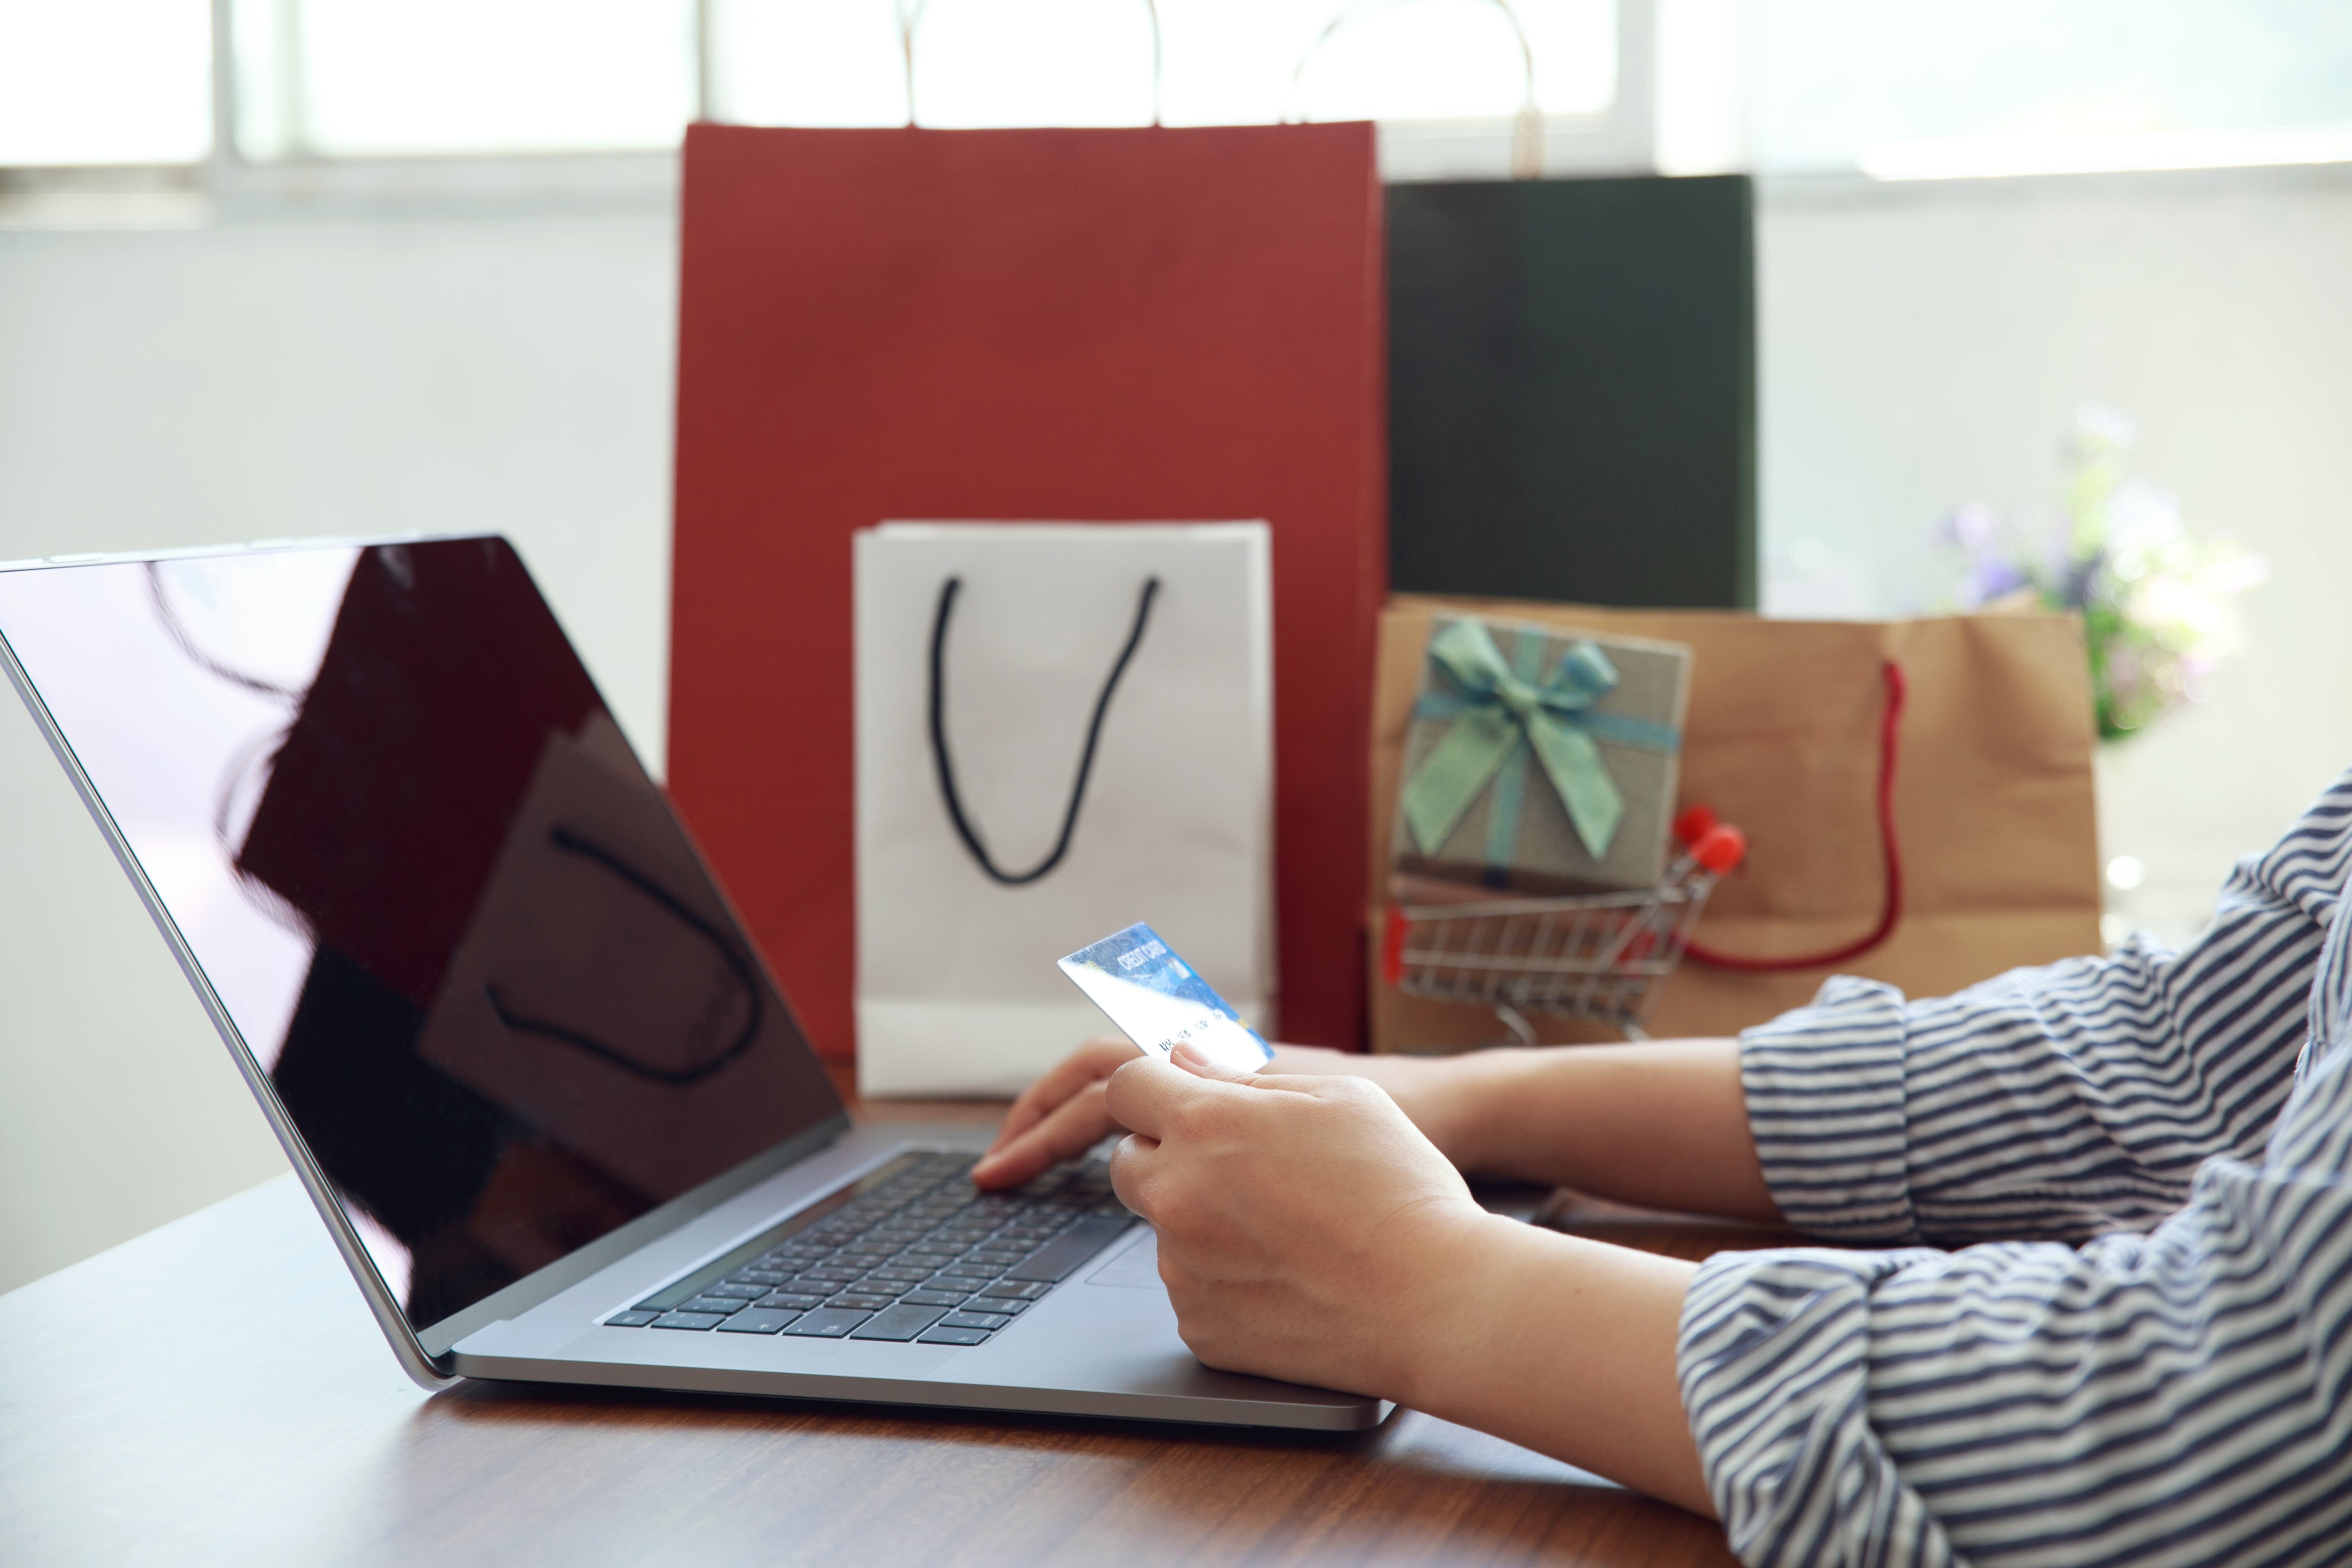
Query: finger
column 1131, row 1167
column 1143, row 1093
column 1090, row 1063
column 1190, row 1058
column 1075, row 1125
column 1197, row 1062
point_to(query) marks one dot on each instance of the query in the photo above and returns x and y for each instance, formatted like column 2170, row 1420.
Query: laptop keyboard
column 910, row 1252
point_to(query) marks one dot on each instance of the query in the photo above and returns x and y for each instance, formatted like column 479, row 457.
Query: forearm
column 1663, row 1124
column 1309, row 1230
column 1562, row 1346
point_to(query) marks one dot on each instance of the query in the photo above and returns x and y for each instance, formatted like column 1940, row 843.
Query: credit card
column 1159, row 1003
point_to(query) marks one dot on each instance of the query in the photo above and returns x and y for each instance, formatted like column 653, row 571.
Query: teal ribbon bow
column 1497, row 711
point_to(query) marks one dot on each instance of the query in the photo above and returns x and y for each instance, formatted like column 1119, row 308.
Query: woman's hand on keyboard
column 1063, row 1115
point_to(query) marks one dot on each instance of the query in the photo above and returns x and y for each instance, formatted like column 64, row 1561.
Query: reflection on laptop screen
column 452, row 918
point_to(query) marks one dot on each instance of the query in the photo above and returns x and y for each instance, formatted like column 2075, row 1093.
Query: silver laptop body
column 513, row 1038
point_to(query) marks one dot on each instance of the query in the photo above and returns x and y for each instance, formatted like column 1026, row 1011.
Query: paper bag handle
column 911, row 17
column 1892, row 910
column 946, row 765
column 1527, row 125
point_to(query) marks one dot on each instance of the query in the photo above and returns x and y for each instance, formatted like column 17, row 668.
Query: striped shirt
column 2140, row 1349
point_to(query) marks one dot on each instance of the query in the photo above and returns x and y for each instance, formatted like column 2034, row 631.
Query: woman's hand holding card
column 1305, row 1222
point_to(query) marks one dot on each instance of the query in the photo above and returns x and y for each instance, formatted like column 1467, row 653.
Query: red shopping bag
column 1082, row 324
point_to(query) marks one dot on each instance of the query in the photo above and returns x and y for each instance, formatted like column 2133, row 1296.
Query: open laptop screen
column 450, row 916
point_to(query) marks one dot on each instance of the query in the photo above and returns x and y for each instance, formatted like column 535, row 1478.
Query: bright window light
column 1458, row 59
column 462, row 76
column 105, row 81
column 1031, row 62
column 1088, row 62
column 1952, row 88
column 1993, row 157
column 807, row 62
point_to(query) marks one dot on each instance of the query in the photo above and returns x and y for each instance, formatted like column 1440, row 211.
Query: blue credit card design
column 1159, row 1003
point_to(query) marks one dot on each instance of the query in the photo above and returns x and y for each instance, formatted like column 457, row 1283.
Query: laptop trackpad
column 1135, row 1266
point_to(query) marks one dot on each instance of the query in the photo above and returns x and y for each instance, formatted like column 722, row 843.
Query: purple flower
column 1988, row 578
column 1971, row 527
column 2080, row 579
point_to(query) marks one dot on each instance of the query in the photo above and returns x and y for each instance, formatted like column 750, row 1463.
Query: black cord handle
column 964, row 830
column 566, row 840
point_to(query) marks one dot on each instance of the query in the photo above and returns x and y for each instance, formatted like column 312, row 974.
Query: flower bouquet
column 2158, row 606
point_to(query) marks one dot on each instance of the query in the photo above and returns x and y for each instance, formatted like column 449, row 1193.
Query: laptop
column 552, row 1105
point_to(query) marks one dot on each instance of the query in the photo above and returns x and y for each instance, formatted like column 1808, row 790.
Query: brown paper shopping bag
column 1985, row 859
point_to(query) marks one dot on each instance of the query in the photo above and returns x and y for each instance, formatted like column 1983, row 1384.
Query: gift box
column 1541, row 760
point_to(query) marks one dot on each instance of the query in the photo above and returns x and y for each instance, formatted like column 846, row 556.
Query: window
column 1090, row 62
column 129, row 81
column 105, row 81
column 1916, row 89
column 1958, row 88
column 361, row 77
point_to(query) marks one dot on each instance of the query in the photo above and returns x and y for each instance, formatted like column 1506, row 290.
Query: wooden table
column 215, row 1391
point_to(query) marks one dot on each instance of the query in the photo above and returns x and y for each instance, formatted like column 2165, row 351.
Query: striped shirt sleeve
column 2056, row 1103
column 2175, row 1393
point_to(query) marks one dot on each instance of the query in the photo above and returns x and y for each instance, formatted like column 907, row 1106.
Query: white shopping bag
column 959, row 926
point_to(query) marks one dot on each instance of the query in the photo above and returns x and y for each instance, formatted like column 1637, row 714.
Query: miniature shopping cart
column 1592, row 955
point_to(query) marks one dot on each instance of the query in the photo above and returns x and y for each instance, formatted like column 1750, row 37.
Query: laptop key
column 825, row 1322
column 944, row 1335
column 722, row 1305
column 897, row 1323
column 862, row 1302
column 689, row 1321
column 742, row 1292
column 636, row 1319
column 935, row 1298
column 1058, row 1257
column 789, row 1300
column 757, row 1320
column 991, row 1321
column 1018, row 1291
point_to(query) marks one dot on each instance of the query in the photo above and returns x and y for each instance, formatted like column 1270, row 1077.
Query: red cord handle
column 1892, row 910
column 1393, row 947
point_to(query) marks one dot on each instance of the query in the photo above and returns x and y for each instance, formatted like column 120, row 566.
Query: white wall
column 1920, row 346
column 1924, row 346
column 263, row 381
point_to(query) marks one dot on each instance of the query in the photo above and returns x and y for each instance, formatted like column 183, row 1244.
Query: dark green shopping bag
column 1572, row 390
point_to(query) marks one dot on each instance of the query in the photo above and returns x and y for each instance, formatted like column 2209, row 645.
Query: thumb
column 1197, row 1062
